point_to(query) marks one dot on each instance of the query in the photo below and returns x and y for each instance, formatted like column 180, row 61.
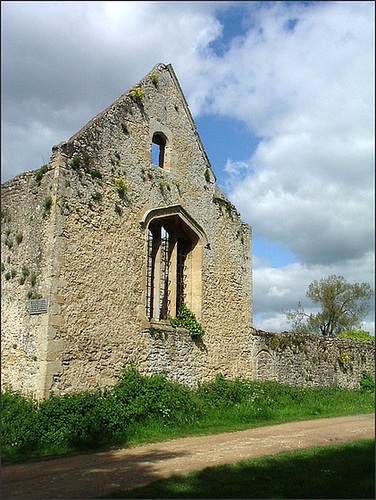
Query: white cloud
column 307, row 93
column 235, row 168
column 72, row 60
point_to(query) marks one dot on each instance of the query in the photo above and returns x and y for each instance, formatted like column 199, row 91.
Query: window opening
column 158, row 149
column 181, row 272
column 172, row 261
column 164, row 280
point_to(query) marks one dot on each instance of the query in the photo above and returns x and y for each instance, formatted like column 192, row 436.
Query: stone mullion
column 157, row 276
column 173, row 278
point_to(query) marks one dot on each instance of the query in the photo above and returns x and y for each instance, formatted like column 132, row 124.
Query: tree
column 343, row 307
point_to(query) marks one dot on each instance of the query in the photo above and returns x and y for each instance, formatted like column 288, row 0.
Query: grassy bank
column 141, row 409
column 339, row 471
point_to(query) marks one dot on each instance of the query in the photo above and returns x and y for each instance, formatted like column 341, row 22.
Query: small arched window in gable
column 158, row 149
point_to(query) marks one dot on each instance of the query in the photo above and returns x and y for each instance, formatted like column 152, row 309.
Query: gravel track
column 91, row 476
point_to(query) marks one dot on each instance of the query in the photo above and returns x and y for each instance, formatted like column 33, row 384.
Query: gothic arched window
column 173, row 268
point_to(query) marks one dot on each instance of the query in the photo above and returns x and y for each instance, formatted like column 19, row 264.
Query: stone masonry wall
column 27, row 249
column 308, row 360
column 94, row 251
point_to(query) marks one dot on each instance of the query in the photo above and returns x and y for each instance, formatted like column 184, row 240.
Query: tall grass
column 141, row 409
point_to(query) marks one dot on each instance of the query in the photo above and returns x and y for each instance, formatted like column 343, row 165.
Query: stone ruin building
column 101, row 246
column 125, row 221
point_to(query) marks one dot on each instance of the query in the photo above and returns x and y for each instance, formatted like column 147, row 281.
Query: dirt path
column 90, row 476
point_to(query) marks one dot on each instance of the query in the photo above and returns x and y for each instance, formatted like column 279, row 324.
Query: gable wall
column 96, row 322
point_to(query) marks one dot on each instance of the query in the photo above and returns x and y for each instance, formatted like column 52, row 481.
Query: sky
column 282, row 94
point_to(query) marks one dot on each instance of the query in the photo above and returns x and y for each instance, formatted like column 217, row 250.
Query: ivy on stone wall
column 186, row 319
column 281, row 342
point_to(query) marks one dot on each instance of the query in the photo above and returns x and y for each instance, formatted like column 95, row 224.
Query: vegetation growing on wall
column 8, row 243
column 122, row 186
column 40, row 173
column 124, row 128
column 97, row 196
column 356, row 334
column 75, row 163
column 86, row 165
column 47, row 204
column 281, row 342
column 5, row 217
column 137, row 94
column 164, row 184
column 186, row 319
column 343, row 358
column 229, row 207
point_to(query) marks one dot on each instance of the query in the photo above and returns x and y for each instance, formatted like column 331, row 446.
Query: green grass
column 140, row 409
column 339, row 471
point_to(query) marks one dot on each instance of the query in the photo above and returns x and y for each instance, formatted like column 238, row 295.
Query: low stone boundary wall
column 309, row 360
column 172, row 351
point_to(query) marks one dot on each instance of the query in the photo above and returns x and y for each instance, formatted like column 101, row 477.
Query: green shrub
column 367, row 382
column 139, row 408
column 76, row 421
column 142, row 398
column 19, row 427
column 222, row 392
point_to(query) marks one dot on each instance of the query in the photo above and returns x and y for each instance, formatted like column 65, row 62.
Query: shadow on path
column 96, row 475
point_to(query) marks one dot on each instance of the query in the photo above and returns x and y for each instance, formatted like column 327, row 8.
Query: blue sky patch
column 225, row 138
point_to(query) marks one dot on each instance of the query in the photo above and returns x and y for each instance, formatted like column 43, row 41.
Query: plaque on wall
column 38, row 306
